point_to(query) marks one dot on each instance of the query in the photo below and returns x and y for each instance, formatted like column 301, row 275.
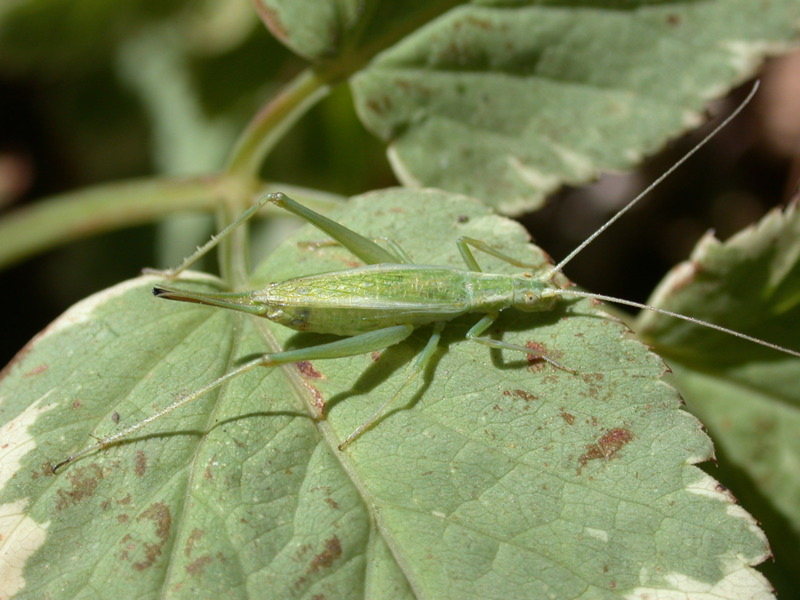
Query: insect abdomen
column 369, row 298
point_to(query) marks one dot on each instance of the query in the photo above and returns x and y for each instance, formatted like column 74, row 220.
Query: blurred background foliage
column 96, row 92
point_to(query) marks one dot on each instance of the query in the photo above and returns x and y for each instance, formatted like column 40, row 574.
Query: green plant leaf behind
column 322, row 30
column 495, row 476
column 508, row 101
column 748, row 396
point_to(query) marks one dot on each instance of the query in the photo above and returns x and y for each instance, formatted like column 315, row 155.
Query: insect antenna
column 669, row 313
column 575, row 293
column 652, row 186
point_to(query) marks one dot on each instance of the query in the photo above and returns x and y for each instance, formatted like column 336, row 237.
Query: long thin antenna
column 650, row 187
column 669, row 313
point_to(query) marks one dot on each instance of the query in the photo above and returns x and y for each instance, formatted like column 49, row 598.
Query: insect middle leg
column 396, row 248
column 474, row 335
column 464, row 243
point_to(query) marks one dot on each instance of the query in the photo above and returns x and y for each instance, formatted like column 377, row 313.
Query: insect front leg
column 397, row 249
column 464, row 243
column 363, row 248
column 474, row 334
column 214, row 241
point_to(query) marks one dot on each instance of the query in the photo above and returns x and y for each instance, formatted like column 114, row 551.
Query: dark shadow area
column 782, row 570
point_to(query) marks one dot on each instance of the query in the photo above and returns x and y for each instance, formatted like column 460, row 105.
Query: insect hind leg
column 350, row 346
column 416, row 368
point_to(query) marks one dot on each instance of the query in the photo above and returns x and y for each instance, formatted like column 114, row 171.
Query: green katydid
column 382, row 303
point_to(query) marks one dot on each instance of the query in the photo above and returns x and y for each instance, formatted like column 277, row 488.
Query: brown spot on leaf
column 319, row 399
column 36, row 371
column 606, row 447
column 84, row 482
column 160, row 514
column 592, row 377
column 537, row 362
column 326, row 558
column 46, row 468
column 140, row 463
column 301, row 552
column 300, row 583
column 147, row 552
column 307, row 369
column 194, row 537
column 197, row 567
column 522, row 394
column 569, row 418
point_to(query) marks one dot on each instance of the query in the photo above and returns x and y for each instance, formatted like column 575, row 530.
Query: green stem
column 269, row 125
column 76, row 215
column 311, row 85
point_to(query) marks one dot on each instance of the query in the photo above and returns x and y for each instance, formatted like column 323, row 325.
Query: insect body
column 366, row 299
column 382, row 303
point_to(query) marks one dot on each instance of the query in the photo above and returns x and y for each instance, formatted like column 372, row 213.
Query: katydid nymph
column 380, row 304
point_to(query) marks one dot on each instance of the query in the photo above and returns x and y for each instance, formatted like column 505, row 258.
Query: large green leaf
column 494, row 477
column 507, row 101
column 747, row 395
